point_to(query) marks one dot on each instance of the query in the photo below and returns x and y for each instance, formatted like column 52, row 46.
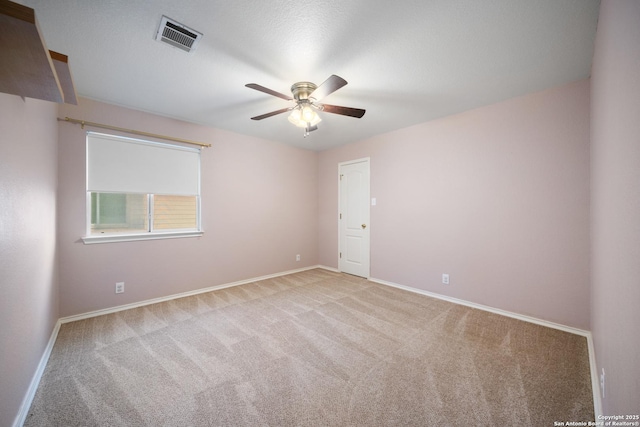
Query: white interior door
column 354, row 217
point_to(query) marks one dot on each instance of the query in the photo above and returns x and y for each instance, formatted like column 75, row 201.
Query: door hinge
column 340, row 254
column 340, row 216
column 341, row 175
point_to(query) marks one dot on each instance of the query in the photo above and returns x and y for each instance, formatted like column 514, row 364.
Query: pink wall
column 497, row 197
column 28, row 260
column 615, row 204
column 259, row 209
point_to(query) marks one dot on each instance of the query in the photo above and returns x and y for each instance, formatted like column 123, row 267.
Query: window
column 141, row 190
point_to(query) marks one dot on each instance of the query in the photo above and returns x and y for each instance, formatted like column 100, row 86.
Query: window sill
column 113, row 238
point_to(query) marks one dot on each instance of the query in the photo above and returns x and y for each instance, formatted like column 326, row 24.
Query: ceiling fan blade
column 345, row 111
column 273, row 113
column 269, row 91
column 332, row 84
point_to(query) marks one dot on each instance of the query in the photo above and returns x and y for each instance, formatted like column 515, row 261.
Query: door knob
column 364, row 226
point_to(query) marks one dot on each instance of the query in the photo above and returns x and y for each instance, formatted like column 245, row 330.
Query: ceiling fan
column 306, row 96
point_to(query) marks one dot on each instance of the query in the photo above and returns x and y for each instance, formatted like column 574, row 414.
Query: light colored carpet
column 312, row 348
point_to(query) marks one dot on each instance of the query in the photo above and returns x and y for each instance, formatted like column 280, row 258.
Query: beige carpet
column 307, row 349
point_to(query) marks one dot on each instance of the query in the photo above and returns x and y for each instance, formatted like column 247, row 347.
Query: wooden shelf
column 26, row 66
column 61, row 64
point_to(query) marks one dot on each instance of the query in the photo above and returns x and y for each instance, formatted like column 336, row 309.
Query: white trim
column 595, row 385
column 112, row 238
column 349, row 162
column 511, row 314
column 324, row 267
column 118, row 308
column 35, row 381
column 33, row 386
column 21, row 417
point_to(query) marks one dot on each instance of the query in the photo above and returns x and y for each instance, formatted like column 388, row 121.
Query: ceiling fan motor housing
column 302, row 90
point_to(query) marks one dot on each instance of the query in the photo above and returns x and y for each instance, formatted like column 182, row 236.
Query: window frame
column 150, row 234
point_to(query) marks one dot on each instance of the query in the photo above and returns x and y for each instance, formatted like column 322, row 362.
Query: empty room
column 320, row 213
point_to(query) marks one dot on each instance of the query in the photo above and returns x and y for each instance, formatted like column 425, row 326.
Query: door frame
column 368, row 207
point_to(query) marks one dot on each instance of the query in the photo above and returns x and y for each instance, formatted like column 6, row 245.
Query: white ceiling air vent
column 177, row 35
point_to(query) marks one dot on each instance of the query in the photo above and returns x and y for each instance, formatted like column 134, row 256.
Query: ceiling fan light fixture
column 304, row 117
column 295, row 116
column 308, row 114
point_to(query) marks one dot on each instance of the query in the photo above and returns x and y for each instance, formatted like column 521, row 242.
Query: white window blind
column 127, row 165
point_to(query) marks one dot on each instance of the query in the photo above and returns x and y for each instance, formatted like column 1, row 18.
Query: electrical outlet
column 445, row 279
column 298, row 257
column 119, row 287
column 602, row 382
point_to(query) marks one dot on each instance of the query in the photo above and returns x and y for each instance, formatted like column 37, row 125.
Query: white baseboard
column 33, row 387
column 595, row 384
column 35, row 381
column 110, row 310
column 324, row 267
column 486, row 308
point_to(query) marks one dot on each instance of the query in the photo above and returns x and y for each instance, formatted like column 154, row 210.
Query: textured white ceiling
column 406, row 61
